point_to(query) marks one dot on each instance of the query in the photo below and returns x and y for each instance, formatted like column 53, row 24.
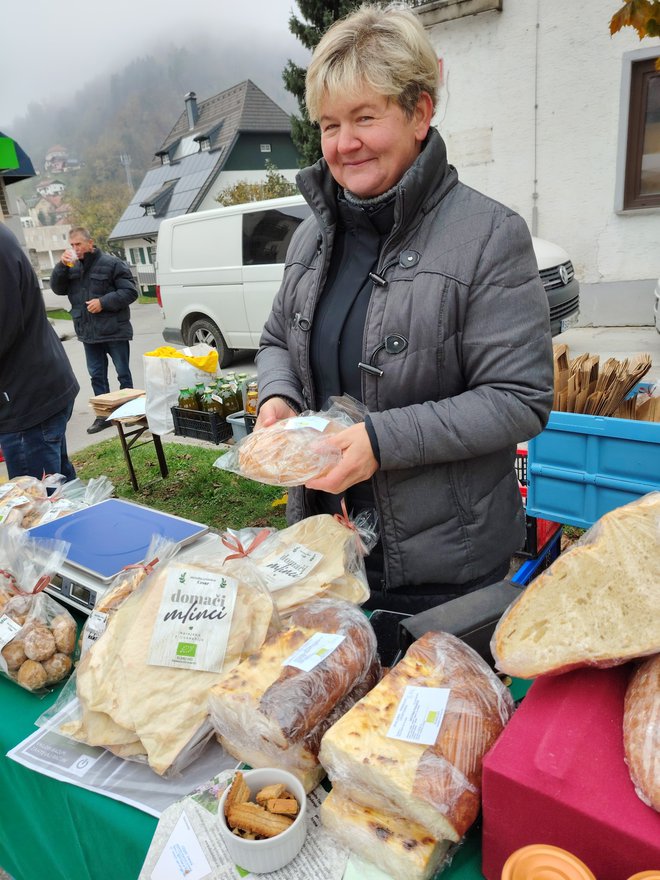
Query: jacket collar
column 423, row 185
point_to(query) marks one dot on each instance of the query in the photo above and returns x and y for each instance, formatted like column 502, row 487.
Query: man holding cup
column 100, row 288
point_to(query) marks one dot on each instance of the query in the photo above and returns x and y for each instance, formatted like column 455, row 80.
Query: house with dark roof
column 213, row 144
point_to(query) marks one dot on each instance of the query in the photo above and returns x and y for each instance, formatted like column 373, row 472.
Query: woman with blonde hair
column 421, row 298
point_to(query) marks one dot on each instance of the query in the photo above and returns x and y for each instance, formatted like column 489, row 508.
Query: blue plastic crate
column 580, row 467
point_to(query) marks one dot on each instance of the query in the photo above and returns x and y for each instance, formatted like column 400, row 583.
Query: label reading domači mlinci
column 194, row 620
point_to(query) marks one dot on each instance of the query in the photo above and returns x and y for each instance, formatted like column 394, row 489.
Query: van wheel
column 206, row 331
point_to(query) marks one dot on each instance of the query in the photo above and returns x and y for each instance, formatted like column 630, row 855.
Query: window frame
column 637, row 66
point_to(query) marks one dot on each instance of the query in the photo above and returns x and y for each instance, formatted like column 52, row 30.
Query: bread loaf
column 641, row 731
column 284, row 455
column 437, row 786
column 598, row 603
column 269, row 714
column 400, row 847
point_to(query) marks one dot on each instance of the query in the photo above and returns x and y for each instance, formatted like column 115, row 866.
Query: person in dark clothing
column 37, row 384
column 100, row 288
column 421, row 298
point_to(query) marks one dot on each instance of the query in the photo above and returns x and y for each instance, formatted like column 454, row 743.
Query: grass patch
column 194, row 489
column 59, row 314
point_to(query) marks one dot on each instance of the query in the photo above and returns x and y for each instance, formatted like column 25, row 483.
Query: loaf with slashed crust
column 641, row 731
column 437, row 786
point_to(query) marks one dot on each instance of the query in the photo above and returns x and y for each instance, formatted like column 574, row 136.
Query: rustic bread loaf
column 641, row 731
column 269, row 714
column 398, row 846
column 283, row 455
column 598, row 603
column 437, row 786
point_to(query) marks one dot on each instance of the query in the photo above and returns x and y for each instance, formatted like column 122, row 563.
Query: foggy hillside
column 132, row 110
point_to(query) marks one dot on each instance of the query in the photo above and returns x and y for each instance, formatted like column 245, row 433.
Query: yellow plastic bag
column 208, row 362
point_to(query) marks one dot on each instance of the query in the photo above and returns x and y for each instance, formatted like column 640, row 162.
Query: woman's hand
column 357, row 461
column 273, row 410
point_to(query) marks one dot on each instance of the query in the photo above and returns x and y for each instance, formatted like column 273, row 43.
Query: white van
column 218, row 271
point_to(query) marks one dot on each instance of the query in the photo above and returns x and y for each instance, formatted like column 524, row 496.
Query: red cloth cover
column 557, row 776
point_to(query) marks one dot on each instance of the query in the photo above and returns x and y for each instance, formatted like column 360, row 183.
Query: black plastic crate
column 250, row 422
column 538, row 533
column 202, row 425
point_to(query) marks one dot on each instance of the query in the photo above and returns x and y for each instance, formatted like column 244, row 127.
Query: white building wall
column 556, row 166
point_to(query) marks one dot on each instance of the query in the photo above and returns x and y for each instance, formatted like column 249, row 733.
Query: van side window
column 266, row 234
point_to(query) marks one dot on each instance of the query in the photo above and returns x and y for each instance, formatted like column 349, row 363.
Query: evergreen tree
column 318, row 16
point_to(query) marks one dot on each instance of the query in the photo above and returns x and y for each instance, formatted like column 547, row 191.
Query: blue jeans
column 39, row 450
column 97, row 353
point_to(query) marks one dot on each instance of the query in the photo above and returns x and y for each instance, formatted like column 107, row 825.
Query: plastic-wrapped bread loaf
column 270, row 714
column 400, row 847
column 641, row 731
column 437, row 786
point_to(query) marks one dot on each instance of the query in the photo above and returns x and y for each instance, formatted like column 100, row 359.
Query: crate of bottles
column 202, row 425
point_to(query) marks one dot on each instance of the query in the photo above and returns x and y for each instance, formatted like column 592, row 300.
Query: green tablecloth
column 50, row 829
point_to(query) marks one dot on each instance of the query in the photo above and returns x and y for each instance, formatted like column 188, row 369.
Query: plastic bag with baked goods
column 319, row 557
column 641, row 730
column 413, row 747
column 293, row 451
column 272, row 709
column 598, row 604
column 37, row 635
column 22, row 500
column 71, row 496
column 144, row 684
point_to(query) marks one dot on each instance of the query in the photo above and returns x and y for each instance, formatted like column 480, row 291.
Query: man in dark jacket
column 37, row 384
column 100, row 288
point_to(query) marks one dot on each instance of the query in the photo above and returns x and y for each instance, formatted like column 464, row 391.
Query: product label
column 316, row 422
column 292, row 565
column 8, row 630
column 194, row 620
column 6, row 488
column 314, row 651
column 8, row 506
column 57, row 508
column 419, row 714
column 94, row 629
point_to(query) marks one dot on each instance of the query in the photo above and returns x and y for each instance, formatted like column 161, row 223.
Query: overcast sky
column 56, row 45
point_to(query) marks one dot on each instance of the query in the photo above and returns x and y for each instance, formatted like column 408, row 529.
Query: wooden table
column 130, row 431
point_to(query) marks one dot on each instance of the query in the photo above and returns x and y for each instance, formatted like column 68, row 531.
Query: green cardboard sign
column 8, row 157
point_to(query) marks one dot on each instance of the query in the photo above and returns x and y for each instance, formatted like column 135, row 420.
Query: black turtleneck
column 339, row 319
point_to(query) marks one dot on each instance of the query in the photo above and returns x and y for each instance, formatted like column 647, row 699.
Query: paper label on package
column 419, row 714
column 182, row 855
column 316, row 422
column 288, row 567
column 57, row 508
column 194, row 620
column 94, row 629
column 8, row 630
column 314, row 651
column 6, row 488
column 8, row 506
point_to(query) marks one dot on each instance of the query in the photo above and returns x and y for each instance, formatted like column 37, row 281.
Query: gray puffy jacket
column 462, row 287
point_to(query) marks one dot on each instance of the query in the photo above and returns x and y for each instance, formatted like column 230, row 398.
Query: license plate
column 569, row 322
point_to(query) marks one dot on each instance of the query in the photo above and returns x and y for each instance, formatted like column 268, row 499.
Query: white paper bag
column 164, row 377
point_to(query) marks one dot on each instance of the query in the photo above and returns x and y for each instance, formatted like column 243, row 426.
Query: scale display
column 108, row 536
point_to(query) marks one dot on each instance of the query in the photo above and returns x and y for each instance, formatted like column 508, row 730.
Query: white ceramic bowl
column 261, row 856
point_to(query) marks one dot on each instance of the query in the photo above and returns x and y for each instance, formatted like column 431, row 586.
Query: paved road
column 147, row 335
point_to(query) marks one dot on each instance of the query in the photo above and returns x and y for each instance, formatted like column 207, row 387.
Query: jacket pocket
column 78, row 316
column 99, row 283
column 109, row 324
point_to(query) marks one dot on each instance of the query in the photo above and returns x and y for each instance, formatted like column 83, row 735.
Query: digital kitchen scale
column 104, row 539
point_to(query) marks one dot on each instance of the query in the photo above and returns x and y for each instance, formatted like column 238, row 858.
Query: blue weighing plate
column 110, row 535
